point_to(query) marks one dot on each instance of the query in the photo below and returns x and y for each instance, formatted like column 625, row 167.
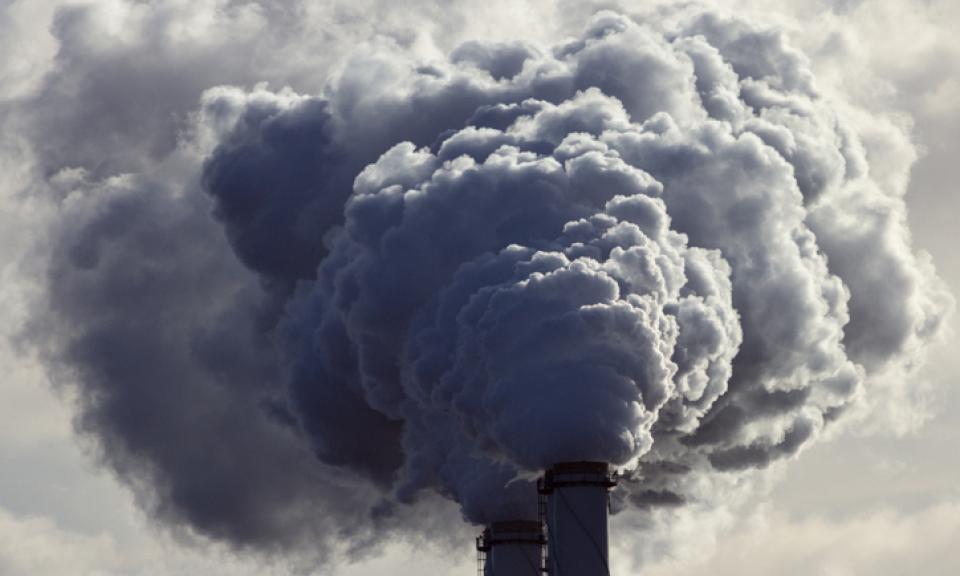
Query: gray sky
column 884, row 500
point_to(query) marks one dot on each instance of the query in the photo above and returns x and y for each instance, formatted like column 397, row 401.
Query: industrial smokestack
column 577, row 508
column 511, row 549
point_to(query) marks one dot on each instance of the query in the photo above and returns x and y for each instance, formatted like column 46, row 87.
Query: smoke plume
column 317, row 316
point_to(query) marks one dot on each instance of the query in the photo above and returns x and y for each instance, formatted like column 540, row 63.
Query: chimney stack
column 576, row 510
column 512, row 549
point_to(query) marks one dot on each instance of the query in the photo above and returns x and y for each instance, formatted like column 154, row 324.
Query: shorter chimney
column 511, row 549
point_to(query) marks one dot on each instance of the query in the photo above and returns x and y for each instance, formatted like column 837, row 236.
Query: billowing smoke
column 655, row 244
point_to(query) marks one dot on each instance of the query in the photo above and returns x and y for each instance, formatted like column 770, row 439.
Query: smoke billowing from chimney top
column 655, row 245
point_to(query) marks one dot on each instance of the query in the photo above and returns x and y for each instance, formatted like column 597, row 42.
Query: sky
column 98, row 98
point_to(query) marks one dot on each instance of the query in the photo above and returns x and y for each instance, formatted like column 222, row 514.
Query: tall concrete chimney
column 577, row 507
column 511, row 549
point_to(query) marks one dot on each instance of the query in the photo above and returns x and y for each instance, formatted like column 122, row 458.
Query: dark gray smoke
column 654, row 244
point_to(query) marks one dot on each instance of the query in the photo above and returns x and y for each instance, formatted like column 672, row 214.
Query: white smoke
column 570, row 275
